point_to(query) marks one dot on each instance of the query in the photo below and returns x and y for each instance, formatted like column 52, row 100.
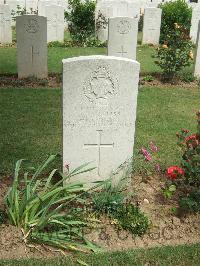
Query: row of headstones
column 32, row 41
column 55, row 23
column 99, row 106
column 33, row 5
column 152, row 19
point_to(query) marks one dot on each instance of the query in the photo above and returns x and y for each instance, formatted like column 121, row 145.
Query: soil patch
column 54, row 80
column 165, row 227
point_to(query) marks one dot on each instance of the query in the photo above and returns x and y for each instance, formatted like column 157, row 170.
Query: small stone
column 146, row 201
column 176, row 221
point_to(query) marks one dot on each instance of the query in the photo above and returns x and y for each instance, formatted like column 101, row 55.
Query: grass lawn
column 177, row 256
column 31, row 122
column 8, row 56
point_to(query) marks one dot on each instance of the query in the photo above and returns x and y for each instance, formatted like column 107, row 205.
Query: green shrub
column 110, row 197
column 190, row 144
column 81, row 20
column 191, row 203
column 175, row 54
column 140, row 23
column 41, row 207
column 174, row 12
column 187, row 76
column 132, row 219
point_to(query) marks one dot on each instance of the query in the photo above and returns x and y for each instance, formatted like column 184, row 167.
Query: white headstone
column 197, row 55
column 152, row 24
column 110, row 8
column 122, row 37
column 55, row 23
column 43, row 3
column 31, row 46
column 194, row 23
column 5, row 24
column 99, row 112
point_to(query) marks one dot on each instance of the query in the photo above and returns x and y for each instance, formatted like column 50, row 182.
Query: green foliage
column 191, row 202
column 38, row 206
column 187, row 76
column 132, row 219
column 81, row 20
column 140, row 23
column 60, row 44
column 190, row 145
column 22, row 11
column 168, row 191
column 148, row 78
column 110, row 197
column 174, row 12
column 175, row 54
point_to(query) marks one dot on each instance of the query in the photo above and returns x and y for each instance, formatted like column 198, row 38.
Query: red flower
column 192, row 140
column 173, row 172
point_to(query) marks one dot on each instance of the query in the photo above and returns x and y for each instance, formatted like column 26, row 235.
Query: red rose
column 192, row 140
column 173, row 172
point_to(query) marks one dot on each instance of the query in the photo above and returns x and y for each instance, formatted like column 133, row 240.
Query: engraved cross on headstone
column 99, row 145
column 122, row 52
column 34, row 51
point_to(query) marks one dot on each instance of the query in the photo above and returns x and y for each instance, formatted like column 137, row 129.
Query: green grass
column 8, row 55
column 174, row 256
column 31, row 122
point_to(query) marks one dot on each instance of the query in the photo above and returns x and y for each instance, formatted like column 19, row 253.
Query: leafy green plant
column 22, row 11
column 141, row 22
column 39, row 207
column 190, row 145
column 168, row 191
column 81, row 20
column 148, row 78
column 187, row 76
column 132, row 219
column 191, row 202
column 175, row 54
column 110, row 197
column 174, row 12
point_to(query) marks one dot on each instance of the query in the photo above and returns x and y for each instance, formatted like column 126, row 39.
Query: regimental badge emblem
column 101, row 85
column 32, row 26
column 124, row 27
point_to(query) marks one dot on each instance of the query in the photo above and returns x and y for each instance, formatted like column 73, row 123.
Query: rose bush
column 175, row 54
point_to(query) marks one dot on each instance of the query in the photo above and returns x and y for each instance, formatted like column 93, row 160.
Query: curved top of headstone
column 99, row 57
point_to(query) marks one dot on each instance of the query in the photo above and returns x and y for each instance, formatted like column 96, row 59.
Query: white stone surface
column 122, row 37
column 120, row 8
column 43, row 3
column 55, row 23
column 31, row 46
column 195, row 22
column 197, row 55
column 152, row 24
column 5, row 24
column 99, row 112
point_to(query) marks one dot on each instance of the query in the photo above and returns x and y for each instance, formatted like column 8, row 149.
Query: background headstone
column 195, row 22
column 152, row 24
column 112, row 8
column 99, row 112
column 197, row 55
column 55, row 23
column 122, row 37
column 5, row 24
column 31, row 46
